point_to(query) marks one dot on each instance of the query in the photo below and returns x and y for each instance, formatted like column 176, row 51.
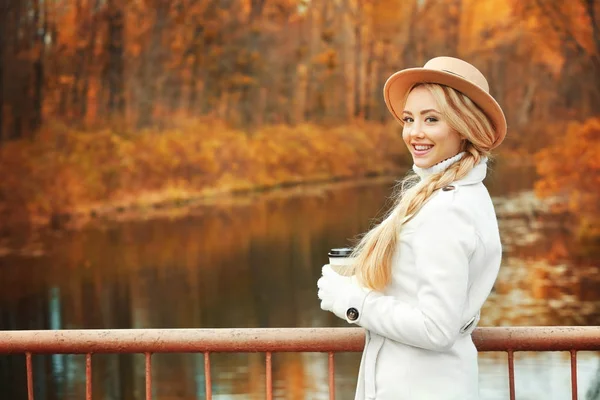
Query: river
column 253, row 261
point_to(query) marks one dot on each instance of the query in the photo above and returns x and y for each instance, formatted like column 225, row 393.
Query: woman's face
column 427, row 135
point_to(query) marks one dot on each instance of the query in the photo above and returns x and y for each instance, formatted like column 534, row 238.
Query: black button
column 352, row 314
column 448, row 188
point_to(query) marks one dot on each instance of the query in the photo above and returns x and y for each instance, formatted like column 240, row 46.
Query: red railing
column 269, row 340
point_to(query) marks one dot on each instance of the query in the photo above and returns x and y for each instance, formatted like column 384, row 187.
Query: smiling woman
column 423, row 274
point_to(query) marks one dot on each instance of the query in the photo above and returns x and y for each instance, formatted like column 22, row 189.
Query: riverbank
column 65, row 177
column 179, row 203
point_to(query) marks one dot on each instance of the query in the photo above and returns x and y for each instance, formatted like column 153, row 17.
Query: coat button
column 352, row 314
column 448, row 188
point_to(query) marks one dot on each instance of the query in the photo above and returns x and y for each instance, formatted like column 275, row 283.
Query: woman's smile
column 420, row 150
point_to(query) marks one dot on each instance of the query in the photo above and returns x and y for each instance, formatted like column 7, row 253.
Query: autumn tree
column 256, row 62
column 569, row 33
column 570, row 168
column 23, row 31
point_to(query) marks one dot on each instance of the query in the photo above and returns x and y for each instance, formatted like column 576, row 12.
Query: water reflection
column 253, row 262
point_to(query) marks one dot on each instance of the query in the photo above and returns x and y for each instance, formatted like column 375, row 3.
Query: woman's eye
column 407, row 119
column 430, row 119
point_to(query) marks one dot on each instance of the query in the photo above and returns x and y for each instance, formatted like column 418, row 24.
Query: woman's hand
column 335, row 291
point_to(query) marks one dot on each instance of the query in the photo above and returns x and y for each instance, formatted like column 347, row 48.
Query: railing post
column 208, row 383
column 148, row 364
column 574, row 374
column 269, row 375
column 29, row 376
column 88, row 376
column 331, row 376
column 511, row 374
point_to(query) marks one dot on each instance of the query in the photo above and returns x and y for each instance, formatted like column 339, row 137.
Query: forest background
column 109, row 105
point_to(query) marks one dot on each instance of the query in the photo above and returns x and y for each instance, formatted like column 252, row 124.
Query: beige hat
column 448, row 71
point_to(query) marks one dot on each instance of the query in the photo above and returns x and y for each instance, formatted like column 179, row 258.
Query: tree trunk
column 38, row 94
column 3, row 11
column 115, row 69
column 196, row 49
column 299, row 99
column 17, row 131
column 315, row 18
column 201, row 45
column 251, row 93
column 78, row 97
column 193, row 90
column 362, row 33
column 38, row 67
column 20, row 100
column 329, row 84
column 591, row 13
column 409, row 52
column 348, row 39
column 454, row 23
column 375, row 111
column 89, row 58
column 256, row 9
column 151, row 64
column 594, row 22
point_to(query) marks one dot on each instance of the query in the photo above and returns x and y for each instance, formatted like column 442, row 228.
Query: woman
column 423, row 274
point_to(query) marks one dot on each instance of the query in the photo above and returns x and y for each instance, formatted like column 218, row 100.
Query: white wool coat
column 418, row 340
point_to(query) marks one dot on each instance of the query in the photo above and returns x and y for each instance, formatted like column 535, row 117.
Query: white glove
column 334, row 291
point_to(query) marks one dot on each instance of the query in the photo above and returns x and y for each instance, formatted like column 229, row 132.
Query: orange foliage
column 571, row 167
column 64, row 170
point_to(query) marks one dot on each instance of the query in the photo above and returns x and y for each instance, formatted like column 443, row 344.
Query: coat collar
column 476, row 175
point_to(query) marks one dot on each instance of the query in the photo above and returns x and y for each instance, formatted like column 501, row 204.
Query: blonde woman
column 424, row 272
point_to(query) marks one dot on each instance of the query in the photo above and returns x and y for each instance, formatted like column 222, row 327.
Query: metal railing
column 270, row 340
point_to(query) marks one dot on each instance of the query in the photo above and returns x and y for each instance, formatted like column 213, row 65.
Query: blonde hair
column 375, row 249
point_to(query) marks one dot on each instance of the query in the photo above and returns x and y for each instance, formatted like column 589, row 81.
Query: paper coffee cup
column 341, row 262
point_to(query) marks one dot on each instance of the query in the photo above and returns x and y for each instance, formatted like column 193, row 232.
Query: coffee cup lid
column 340, row 252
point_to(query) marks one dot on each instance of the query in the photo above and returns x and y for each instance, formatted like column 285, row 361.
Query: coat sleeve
column 442, row 246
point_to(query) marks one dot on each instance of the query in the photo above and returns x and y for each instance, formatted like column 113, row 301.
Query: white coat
column 418, row 340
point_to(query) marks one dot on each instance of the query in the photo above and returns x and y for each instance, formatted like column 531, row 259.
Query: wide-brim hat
column 452, row 72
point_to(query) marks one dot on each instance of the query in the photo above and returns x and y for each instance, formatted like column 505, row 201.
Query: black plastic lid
column 340, row 252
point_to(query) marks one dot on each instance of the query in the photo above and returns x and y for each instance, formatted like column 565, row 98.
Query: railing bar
column 29, row 376
column 511, row 374
column 208, row 384
column 107, row 341
column 269, row 375
column 331, row 376
column 574, row 374
column 88, row 376
column 148, row 376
